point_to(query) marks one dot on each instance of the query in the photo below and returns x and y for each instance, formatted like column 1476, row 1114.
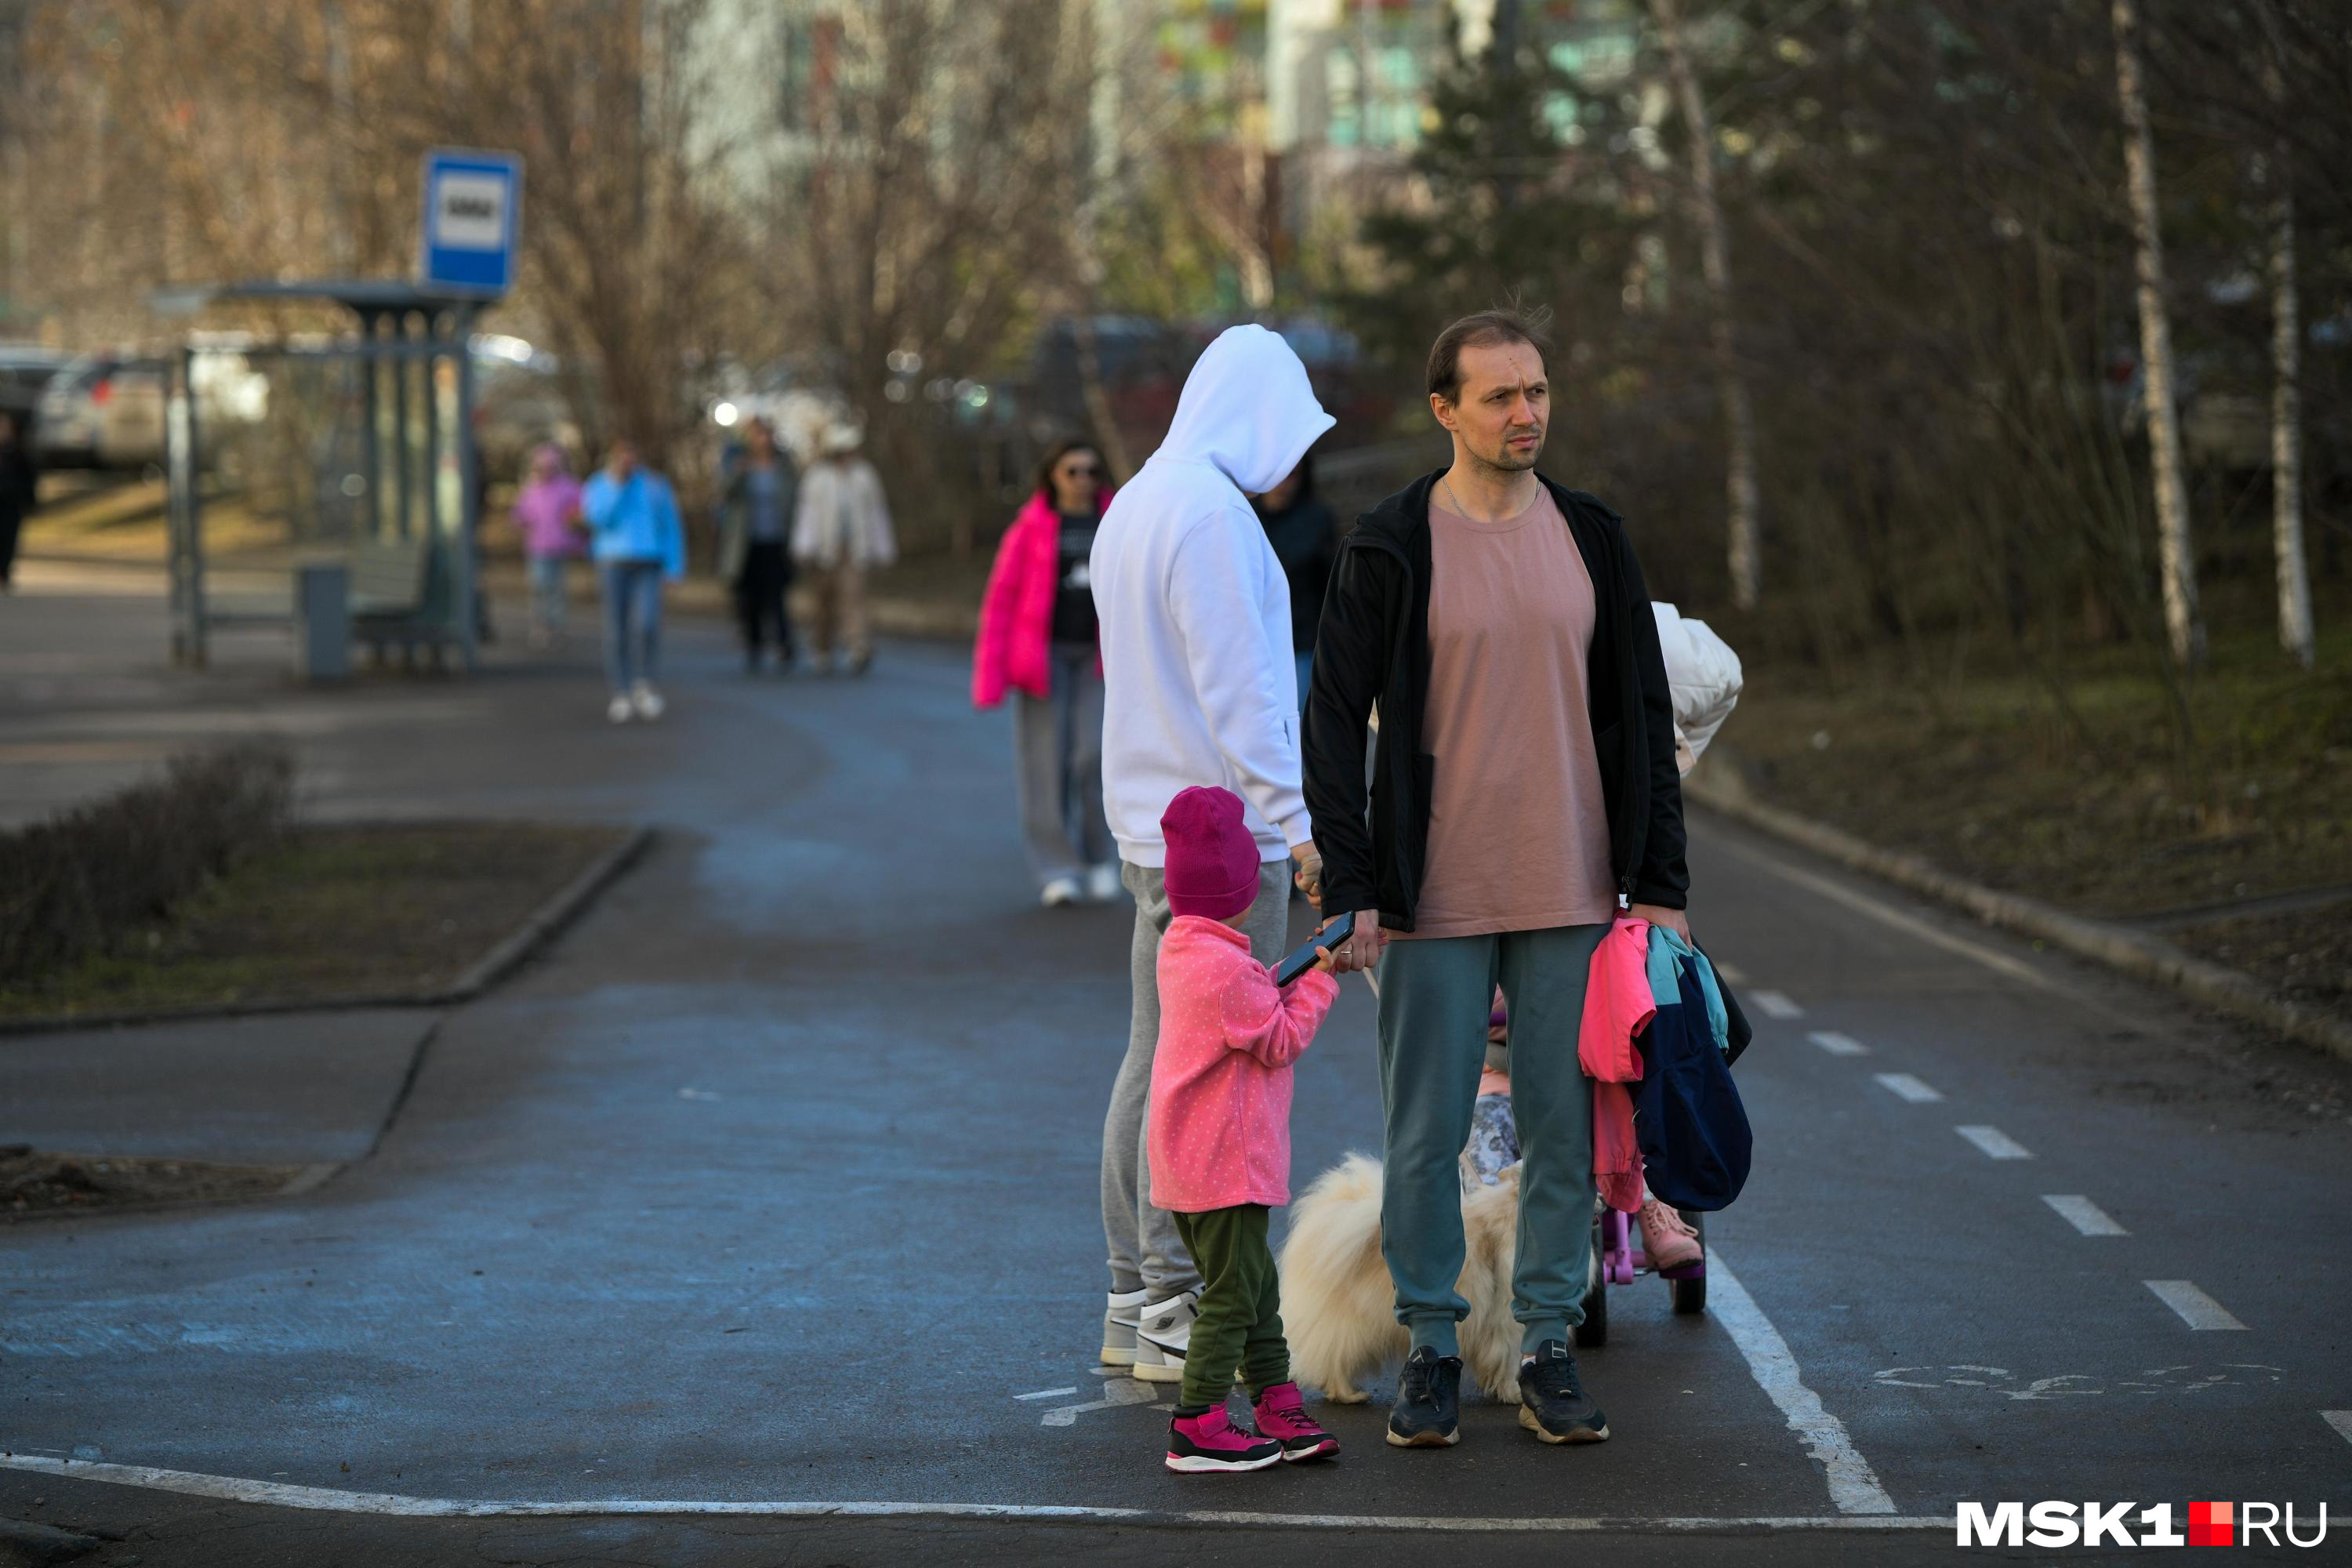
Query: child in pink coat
column 1220, row 1136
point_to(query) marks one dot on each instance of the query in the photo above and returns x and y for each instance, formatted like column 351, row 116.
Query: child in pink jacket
column 1220, row 1136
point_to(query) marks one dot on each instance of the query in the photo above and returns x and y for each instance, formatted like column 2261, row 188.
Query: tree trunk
column 2286, row 388
column 1745, row 550
column 2176, row 559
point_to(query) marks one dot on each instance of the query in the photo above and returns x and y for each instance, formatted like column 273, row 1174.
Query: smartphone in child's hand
column 1308, row 957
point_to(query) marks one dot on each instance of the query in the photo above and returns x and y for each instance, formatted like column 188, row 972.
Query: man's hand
column 1309, row 875
column 1362, row 949
column 1674, row 921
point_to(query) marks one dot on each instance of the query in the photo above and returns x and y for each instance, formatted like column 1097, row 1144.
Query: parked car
column 25, row 370
column 101, row 411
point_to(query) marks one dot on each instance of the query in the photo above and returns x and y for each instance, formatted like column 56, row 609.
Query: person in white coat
column 841, row 531
column 1200, row 687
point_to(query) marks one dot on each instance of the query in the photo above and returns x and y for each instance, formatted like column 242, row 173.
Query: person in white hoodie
column 1200, row 687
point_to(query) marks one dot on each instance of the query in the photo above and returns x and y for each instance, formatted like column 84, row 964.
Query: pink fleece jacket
column 1617, row 1006
column 1220, row 1129
column 1016, row 614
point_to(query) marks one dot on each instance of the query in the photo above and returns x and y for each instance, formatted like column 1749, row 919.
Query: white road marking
column 1903, row 1085
column 388, row 1504
column 1996, row 1144
column 1887, row 914
column 1838, row 1045
column 2341, row 1420
column 2083, row 1214
column 1048, row 1392
column 1730, row 973
column 1776, row 1005
column 2196, row 1309
column 1853, row 1485
column 1116, row 1393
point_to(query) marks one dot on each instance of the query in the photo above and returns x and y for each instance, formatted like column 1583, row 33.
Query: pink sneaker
column 1281, row 1415
column 1666, row 1237
column 1206, row 1442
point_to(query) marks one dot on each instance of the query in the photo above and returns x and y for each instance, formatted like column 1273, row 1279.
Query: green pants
column 1240, row 1325
column 1435, row 993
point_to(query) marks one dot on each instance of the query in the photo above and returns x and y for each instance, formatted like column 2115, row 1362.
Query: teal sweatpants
column 1436, row 995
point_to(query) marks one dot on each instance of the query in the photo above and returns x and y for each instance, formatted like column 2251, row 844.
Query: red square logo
column 2210, row 1524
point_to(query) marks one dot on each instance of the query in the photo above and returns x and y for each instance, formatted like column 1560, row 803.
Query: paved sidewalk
column 300, row 1089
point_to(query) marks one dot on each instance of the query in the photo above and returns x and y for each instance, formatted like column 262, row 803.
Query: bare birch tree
column 2175, row 553
column 1742, row 526
column 2286, row 377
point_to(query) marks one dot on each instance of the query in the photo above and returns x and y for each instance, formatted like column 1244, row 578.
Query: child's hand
column 1328, row 960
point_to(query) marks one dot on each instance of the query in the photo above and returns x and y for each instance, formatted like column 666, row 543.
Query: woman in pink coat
column 1037, row 640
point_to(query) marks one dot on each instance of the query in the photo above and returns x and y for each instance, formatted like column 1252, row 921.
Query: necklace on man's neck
column 1446, row 482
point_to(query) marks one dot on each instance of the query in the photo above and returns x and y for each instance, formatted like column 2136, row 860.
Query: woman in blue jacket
column 632, row 517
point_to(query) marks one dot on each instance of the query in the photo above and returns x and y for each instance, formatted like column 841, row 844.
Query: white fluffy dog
column 1339, row 1305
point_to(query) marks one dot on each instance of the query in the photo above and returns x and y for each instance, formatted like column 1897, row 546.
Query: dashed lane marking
column 1048, row 1392
column 2083, row 1214
column 2196, row 1309
column 1838, row 1045
column 279, row 1494
column 1853, row 1485
column 1731, row 974
column 1776, row 1005
column 2341, row 1420
column 1905, row 1086
column 1996, row 1145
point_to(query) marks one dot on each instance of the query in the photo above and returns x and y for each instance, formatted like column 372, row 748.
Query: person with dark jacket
column 1299, row 527
column 18, row 485
column 756, row 505
column 1524, row 789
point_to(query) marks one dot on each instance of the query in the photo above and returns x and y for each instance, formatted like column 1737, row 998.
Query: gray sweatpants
column 1146, row 1253
column 1057, row 743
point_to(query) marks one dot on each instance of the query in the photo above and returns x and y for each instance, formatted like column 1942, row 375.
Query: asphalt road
column 772, row 1185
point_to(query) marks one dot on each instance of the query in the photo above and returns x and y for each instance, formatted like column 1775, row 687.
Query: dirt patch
column 36, row 1183
column 335, row 912
column 2305, row 955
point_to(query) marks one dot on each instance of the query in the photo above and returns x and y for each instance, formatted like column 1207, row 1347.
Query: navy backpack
column 1686, row 1113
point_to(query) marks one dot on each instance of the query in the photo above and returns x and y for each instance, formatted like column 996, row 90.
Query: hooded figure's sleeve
column 1216, row 593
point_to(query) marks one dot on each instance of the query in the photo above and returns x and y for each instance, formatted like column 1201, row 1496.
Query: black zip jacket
column 1373, row 646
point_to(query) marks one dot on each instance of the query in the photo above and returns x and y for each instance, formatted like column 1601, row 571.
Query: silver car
column 102, row 411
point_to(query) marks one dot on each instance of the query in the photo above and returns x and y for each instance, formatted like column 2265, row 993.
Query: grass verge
column 2096, row 810
column 331, row 911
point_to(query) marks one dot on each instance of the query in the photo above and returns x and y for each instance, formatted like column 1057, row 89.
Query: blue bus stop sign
column 473, row 202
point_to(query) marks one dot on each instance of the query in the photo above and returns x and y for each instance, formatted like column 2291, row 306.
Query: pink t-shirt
column 1220, row 1129
column 1518, row 830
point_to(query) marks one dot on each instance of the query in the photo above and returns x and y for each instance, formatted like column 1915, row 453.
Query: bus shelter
column 373, row 431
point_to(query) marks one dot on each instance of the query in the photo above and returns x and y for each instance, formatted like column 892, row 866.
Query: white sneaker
column 618, row 710
column 647, row 700
column 1162, row 1331
column 1059, row 891
column 1103, row 884
column 1125, row 1309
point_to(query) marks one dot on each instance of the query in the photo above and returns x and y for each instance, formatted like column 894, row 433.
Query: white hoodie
column 1199, row 683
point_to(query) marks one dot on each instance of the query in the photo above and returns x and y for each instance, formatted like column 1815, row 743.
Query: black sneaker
column 1428, row 1409
column 1553, row 1403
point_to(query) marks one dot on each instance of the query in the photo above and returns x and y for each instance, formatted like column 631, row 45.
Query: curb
column 2133, row 952
column 556, row 912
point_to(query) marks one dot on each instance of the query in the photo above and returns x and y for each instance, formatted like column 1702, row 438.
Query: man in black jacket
column 1523, row 792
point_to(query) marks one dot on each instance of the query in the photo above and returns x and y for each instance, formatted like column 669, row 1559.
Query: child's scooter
column 1617, row 1258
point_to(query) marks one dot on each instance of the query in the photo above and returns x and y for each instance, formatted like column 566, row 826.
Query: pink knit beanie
column 1212, row 859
